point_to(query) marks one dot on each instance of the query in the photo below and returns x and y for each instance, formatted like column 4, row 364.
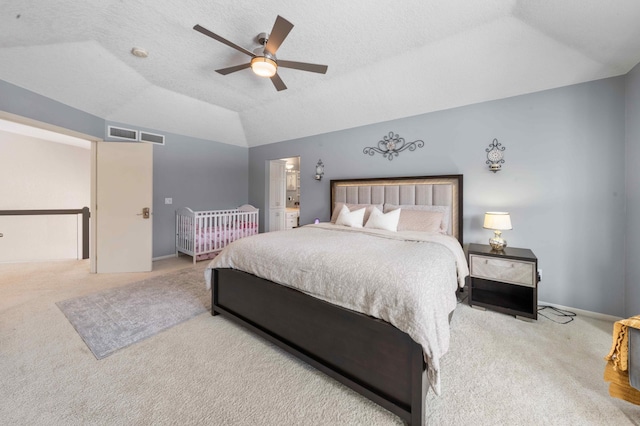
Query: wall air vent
column 152, row 138
column 124, row 134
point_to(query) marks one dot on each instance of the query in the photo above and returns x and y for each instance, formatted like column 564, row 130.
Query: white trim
column 163, row 257
column 590, row 314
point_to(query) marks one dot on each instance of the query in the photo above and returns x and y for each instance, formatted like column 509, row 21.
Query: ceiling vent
column 134, row 135
column 124, row 134
column 152, row 138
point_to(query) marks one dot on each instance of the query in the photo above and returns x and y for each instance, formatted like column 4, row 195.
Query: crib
column 201, row 234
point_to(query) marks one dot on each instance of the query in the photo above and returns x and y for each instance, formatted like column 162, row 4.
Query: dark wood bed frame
column 366, row 354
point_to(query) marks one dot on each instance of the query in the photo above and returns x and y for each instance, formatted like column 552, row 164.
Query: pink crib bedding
column 209, row 238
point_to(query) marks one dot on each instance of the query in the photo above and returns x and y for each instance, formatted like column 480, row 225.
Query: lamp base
column 497, row 242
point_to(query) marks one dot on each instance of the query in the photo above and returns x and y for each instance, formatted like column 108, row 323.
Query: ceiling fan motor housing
column 263, row 38
column 261, row 51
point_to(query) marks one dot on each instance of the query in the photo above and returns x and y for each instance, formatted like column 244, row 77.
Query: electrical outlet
column 168, row 200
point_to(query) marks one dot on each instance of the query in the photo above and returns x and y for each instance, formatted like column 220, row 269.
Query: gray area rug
column 116, row 318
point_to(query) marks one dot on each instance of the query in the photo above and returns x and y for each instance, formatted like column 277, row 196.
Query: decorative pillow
column 416, row 222
column 353, row 219
column 338, row 207
column 420, row 220
column 379, row 220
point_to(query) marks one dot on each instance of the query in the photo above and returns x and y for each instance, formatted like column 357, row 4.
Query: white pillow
column 337, row 207
column 353, row 219
column 379, row 220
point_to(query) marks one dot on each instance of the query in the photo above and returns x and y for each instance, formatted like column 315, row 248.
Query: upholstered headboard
column 423, row 190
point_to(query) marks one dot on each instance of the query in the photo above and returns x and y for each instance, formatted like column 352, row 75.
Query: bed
column 201, row 234
column 371, row 350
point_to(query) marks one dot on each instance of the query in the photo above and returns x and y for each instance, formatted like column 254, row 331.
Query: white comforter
column 405, row 278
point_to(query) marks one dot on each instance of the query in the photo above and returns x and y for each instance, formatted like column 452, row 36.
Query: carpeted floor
column 208, row 371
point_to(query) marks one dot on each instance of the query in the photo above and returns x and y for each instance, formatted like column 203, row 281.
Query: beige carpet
column 208, row 371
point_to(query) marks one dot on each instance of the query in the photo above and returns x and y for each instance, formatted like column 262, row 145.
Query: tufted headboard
column 424, row 190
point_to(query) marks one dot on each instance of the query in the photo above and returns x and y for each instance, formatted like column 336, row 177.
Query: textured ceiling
column 387, row 59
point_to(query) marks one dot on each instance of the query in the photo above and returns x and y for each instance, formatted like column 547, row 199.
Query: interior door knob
column 145, row 213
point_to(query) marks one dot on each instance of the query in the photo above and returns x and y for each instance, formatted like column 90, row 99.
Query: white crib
column 203, row 233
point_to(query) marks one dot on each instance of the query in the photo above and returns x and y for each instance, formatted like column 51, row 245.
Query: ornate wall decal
column 392, row 145
column 495, row 155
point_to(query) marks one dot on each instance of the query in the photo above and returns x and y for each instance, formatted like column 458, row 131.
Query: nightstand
column 505, row 281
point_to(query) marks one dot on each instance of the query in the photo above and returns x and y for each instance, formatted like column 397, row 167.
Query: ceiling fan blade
column 277, row 81
column 321, row 69
column 222, row 40
column 279, row 32
column 225, row 71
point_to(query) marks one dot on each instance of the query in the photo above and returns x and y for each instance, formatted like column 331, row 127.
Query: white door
column 277, row 195
column 123, row 190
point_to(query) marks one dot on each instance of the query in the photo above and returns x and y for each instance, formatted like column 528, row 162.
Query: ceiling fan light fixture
column 263, row 66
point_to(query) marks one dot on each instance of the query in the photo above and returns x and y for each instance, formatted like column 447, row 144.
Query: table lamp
column 498, row 221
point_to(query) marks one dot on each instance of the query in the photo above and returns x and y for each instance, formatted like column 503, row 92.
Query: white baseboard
column 590, row 314
column 163, row 257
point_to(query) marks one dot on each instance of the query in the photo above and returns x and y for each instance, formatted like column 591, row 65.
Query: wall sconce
column 319, row 170
column 494, row 155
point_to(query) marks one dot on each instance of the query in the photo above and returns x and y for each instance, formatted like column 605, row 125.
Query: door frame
column 93, row 139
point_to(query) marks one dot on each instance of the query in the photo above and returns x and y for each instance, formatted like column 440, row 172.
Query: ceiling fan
column 263, row 59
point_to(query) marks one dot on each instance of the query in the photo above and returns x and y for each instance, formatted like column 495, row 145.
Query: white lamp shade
column 497, row 220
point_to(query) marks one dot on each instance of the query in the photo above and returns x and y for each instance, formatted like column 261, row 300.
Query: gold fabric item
column 618, row 355
column 618, row 362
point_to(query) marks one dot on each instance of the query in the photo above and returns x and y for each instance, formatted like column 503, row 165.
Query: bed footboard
column 369, row 355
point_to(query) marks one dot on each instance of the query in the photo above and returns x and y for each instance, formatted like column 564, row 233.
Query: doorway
column 284, row 194
column 46, row 183
column 88, row 178
column 292, row 172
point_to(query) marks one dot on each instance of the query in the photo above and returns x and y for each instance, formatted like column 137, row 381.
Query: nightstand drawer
column 510, row 271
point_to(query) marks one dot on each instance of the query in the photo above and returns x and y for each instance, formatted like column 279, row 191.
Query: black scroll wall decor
column 495, row 156
column 392, row 145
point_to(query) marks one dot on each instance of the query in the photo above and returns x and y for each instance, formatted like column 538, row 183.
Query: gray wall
column 632, row 276
column 563, row 180
column 196, row 173
column 22, row 102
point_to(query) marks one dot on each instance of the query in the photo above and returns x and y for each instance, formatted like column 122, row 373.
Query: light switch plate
column 168, row 200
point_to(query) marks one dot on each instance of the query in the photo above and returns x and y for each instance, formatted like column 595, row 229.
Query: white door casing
column 123, row 188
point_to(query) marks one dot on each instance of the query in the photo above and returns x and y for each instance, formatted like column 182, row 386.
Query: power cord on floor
column 567, row 315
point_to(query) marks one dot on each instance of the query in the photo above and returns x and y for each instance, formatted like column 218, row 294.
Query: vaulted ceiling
column 387, row 59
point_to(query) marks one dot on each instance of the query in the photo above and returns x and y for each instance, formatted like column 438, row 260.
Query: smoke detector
column 140, row 53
